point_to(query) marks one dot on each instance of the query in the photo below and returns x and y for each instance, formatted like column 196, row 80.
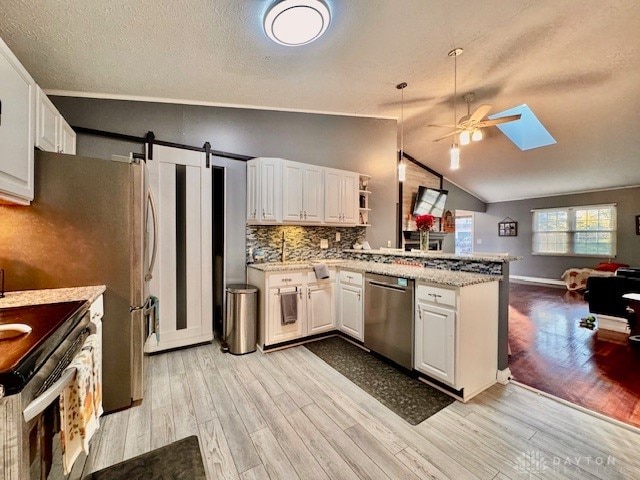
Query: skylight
column 527, row 133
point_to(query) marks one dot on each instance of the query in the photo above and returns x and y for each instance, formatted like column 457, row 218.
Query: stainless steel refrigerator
column 90, row 223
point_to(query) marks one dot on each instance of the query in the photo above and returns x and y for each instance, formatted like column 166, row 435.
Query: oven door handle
column 50, row 395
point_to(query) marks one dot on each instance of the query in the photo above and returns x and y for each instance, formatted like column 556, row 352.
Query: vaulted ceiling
column 576, row 64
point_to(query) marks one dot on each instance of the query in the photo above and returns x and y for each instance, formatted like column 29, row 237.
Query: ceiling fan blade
column 498, row 121
column 447, row 135
column 480, row 113
column 445, row 126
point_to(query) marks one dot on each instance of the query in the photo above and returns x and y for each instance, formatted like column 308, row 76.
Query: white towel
column 321, row 270
column 289, row 307
column 78, row 421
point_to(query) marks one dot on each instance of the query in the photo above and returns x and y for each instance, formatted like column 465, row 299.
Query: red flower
column 425, row 222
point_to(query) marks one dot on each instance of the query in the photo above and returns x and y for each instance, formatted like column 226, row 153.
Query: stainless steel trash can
column 240, row 322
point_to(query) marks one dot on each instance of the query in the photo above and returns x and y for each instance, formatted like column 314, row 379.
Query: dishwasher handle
column 388, row 286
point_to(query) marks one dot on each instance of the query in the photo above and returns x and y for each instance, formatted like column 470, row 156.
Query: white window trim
column 572, row 230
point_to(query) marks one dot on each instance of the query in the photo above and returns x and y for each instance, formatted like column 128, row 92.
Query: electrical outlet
column 324, row 243
column 478, row 241
column 337, row 236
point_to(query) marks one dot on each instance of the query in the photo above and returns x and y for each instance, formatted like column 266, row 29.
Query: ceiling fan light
column 476, row 136
column 465, row 137
column 296, row 22
column 454, row 157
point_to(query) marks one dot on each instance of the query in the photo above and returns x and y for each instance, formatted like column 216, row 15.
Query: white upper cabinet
column 67, row 138
column 48, row 119
column 17, row 112
column 264, row 190
column 53, row 133
column 253, row 191
column 341, row 197
column 283, row 191
column 270, row 189
column 302, row 192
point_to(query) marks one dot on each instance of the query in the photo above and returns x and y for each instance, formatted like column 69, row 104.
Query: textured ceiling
column 576, row 64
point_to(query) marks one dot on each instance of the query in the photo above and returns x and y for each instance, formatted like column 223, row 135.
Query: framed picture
column 637, row 224
column 508, row 228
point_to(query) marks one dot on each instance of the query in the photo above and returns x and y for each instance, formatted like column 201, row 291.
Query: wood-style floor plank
column 256, row 473
column 216, row 455
column 273, row 458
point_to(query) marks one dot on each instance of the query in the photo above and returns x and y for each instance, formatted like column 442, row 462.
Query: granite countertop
column 432, row 275
column 472, row 257
column 52, row 295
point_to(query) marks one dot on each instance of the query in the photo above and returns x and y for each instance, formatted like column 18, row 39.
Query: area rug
column 408, row 397
column 179, row 460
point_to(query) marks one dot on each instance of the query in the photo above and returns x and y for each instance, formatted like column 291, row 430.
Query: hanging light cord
column 402, row 124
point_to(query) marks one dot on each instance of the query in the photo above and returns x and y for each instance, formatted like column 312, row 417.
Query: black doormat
column 413, row 400
column 179, row 460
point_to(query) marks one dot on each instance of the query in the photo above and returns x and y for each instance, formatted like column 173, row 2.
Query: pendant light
column 477, row 135
column 454, row 151
column 402, row 167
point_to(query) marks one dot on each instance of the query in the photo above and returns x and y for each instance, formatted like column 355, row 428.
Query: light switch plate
column 324, row 243
column 337, row 236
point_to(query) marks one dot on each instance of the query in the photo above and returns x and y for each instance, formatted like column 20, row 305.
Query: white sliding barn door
column 183, row 283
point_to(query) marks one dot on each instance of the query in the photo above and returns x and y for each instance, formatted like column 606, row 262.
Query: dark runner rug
column 179, row 460
column 408, row 397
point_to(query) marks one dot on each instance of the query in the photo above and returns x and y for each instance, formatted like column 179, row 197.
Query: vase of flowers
column 424, row 224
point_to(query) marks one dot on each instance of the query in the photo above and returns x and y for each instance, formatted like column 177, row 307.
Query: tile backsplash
column 302, row 242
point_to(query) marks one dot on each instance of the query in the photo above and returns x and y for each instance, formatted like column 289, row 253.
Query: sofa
column 604, row 294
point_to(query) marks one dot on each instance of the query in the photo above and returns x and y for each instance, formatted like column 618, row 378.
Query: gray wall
column 486, row 229
column 365, row 145
column 459, row 199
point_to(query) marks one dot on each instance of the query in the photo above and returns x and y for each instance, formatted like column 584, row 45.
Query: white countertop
column 471, row 257
column 432, row 275
column 52, row 295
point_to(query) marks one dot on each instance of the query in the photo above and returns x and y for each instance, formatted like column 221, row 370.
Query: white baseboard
column 504, row 376
column 545, row 281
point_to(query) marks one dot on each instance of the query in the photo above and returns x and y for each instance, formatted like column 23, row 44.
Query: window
column 579, row 231
column 464, row 233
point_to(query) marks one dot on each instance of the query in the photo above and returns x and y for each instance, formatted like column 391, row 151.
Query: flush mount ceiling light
column 296, row 22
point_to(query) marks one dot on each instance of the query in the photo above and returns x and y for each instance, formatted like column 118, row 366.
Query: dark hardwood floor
column 550, row 352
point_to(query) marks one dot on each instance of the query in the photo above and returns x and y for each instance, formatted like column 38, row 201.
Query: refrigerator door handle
column 154, row 214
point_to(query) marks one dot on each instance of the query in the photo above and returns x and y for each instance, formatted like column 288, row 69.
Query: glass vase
column 424, row 240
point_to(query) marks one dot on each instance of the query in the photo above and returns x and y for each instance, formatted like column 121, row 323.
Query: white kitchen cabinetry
column 53, row 133
column 264, row 190
column 435, row 341
column 47, row 128
column 315, row 305
column 17, row 123
column 66, row 138
column 341, row 197
column 456, row 335
column 302, row 193
column 350, row 304
column 320, row 308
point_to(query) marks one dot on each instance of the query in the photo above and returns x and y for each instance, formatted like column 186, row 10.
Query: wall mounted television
column 430, row 200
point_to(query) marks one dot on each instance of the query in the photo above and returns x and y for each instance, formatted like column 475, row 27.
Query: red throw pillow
column 610, row 267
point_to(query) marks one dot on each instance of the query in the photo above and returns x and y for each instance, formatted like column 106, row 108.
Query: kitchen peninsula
column 455, row 311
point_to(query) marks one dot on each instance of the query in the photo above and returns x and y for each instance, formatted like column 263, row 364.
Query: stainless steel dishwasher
column 388, row 317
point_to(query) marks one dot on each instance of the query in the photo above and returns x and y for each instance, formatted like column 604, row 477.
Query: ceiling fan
column 469, row 126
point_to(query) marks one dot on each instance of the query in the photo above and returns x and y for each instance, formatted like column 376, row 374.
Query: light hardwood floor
column 288, row 415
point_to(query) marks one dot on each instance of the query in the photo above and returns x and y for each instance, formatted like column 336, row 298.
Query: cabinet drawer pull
column 434, row 295
column 263, row 214
column 305, row 214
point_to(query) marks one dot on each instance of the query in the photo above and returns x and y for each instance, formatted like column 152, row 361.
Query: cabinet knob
column 305, row 214
column 263, row 213
column 300, row 214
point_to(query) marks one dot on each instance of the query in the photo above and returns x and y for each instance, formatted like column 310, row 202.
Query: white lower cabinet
column 320, row 308
column 315, row 305
column 276, row 331
column 350, row 304
column 456, row 335
column 435, row 341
